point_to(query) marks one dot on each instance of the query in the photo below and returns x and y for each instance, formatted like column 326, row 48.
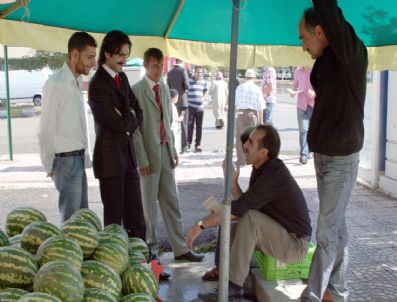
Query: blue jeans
column 71, row 182
column 304, row 122
column 336, row 177
column 268, row 114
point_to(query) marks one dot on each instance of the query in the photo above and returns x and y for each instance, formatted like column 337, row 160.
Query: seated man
column 272, row 215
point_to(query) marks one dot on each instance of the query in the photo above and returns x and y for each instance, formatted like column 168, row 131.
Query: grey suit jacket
column 147, row 137
column 178, row 79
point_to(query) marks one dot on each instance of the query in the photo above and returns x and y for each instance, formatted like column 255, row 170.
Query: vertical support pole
column 7, row 87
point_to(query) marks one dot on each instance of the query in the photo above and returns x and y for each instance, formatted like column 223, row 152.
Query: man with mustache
column 63, row 132
column 117, row 115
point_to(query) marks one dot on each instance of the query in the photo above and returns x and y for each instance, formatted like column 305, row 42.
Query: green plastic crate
column 272, row 269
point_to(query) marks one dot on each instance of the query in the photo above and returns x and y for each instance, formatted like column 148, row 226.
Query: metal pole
column 225, row 226
column 10, row 155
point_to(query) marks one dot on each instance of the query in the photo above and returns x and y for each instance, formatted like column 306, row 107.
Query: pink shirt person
column 304, row 88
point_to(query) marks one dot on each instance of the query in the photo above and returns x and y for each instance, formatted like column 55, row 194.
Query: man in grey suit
column 157, row 158
column 178, row 79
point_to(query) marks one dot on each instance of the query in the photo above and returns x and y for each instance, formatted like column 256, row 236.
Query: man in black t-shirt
column 272, row 214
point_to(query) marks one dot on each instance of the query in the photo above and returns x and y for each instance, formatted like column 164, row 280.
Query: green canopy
column 198, row 30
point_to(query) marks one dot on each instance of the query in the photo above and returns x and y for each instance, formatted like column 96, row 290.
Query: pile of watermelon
column 78, row 262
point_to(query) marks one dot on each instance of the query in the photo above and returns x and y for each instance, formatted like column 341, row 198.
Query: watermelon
column 3, row 239
column 138, row 297
column 39, row 297
column 15, row 240
column 89, row 216
column 17, row 268
column 99, row 275
column 97, row 295
column 11, row 294
column 116, row 229
column 19, row 218
column 113, row 255
column 139, row 279
column 60, row 279
column 136, row 258
column 83, row 233
column 113, row 238
column 36, row 233
column 60, row 248
column 138, row 245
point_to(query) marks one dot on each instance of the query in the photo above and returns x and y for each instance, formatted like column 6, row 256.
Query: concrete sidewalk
column 371, row 219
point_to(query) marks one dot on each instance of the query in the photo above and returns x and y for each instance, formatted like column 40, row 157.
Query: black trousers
column 122, row 202
column 184, row 127
column 195, row 117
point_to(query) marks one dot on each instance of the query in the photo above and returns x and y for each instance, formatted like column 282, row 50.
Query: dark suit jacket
column 114, row 132
column 178, row 79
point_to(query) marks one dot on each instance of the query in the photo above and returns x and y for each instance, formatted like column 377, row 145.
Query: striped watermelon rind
column 60, row 279
column 136, row 258
column 113, row 238
column 4, row 239
column 83, row 233
column 89, row 216
column 113, row 255
column 97, row 295
column 20, row 218
column 138, row 297
column 138, row 245
column 17, row 268
column 116, row 229
column 102, row 276
column 139, row 279
column 39, row 297
column 36, row 233
column 11, row 294
column 60, row 248
column 15, row 240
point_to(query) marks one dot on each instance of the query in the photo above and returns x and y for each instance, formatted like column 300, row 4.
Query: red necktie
column 163, row 135
column 117, row 81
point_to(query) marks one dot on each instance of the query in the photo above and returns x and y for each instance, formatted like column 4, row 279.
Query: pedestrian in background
column 336, row 136
column 219, row 92
column 269, row 89
column 196, row 94
column 305, row 104
column 63, row 131
column 176, row 120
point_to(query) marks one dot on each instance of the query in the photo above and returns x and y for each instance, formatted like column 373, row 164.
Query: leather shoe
column 164, row 276
column 190, row 256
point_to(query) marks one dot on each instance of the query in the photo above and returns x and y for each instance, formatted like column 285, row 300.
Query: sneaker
column 303, row 160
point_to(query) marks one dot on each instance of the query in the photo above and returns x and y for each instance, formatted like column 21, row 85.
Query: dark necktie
column 117, row 81
column 163, row 135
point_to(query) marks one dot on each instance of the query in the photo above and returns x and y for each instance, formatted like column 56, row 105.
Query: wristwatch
column 200, row 224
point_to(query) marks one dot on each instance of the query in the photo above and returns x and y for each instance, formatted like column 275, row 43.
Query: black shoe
column 233, row 296
column 222, row 123
column 303, row 160
column 164, row 276
column 190, row 256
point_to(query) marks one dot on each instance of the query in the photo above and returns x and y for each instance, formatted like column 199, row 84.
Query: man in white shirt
column 63, row 132
column 249, row 107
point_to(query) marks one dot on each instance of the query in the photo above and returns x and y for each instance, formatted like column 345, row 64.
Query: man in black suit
column 178, row 79
column 117, row 115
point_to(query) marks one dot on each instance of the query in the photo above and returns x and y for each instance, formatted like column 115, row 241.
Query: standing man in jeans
column 196, row 95
column 305, row 104
column 63, row 132
column 336, row 135
column 269, row 89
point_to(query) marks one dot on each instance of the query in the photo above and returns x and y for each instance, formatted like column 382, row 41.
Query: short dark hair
column 153, row 53
column 173, row 92
column 271, row 140
column 112, row 44
column 311, row 18
column 246, row 134
column 80, row 40
column 178, row 61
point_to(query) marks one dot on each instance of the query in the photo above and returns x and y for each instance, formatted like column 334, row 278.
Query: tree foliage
column 54, row 60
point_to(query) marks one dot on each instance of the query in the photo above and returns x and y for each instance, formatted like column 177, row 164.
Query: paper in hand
column 212, row 205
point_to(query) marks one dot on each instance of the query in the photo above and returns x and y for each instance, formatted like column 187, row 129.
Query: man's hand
column 311, row 93
column 145, row 171
column 176, row 161
column 50, row 174
column 192, row 234
column 235, row 170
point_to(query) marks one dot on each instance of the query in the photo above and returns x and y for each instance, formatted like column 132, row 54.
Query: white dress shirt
column 249, row 96
column 63, row 122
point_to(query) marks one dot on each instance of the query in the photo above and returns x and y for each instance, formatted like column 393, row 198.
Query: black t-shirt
column 274, row 192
